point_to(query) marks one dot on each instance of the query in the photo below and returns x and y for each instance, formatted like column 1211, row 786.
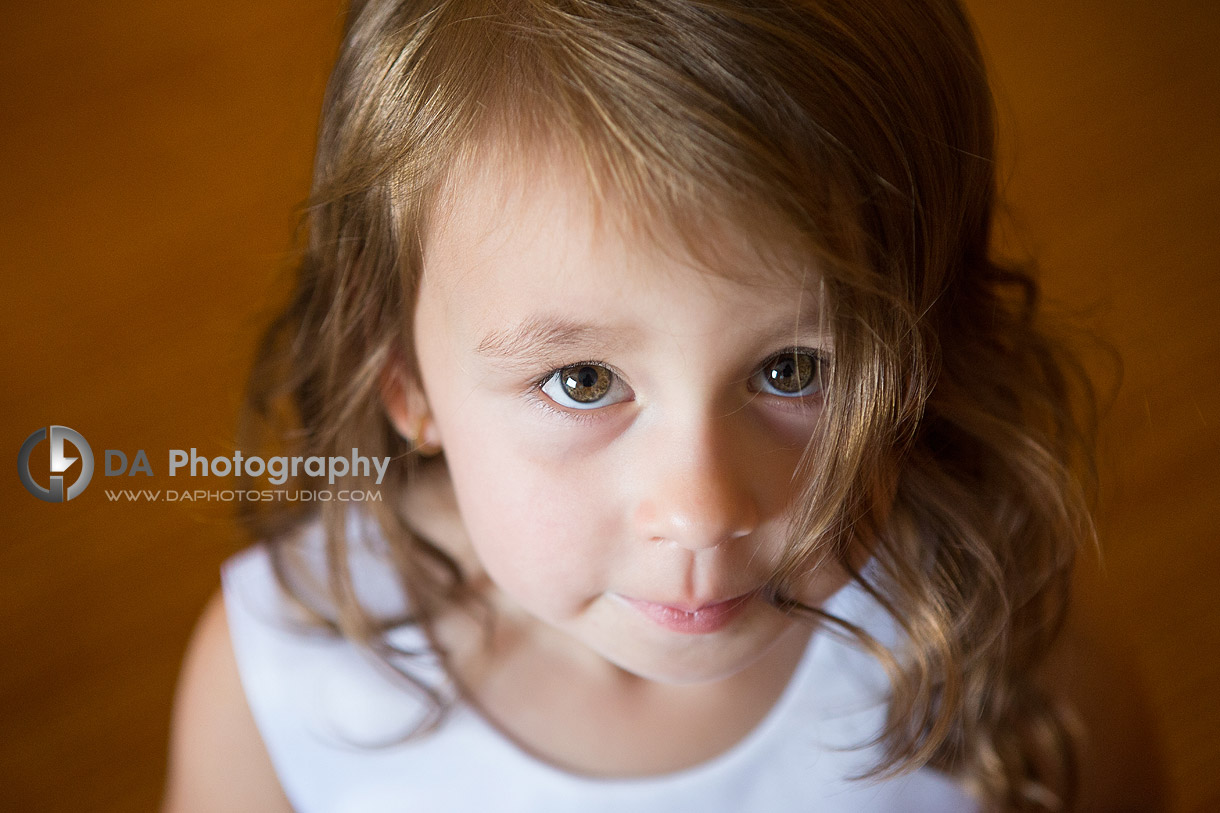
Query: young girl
column 729, row 471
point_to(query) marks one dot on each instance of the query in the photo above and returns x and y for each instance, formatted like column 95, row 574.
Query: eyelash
column 821, row 363
column 543, row 401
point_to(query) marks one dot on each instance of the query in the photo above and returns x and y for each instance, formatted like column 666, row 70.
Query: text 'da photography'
column 57, row 464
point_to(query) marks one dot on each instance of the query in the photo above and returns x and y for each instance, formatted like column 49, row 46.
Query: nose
column 698, row 490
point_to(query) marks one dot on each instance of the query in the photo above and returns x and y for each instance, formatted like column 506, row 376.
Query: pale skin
column 671, row 485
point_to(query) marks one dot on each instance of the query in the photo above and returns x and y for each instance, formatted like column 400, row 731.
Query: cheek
column 544, row 539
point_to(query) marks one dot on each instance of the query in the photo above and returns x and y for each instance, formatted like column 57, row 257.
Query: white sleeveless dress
column 325, row 711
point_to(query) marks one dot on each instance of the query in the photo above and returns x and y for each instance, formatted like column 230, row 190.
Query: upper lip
column 697, row 605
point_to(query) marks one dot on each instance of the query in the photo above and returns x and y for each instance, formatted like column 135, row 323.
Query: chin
column 698, row 662
column 689, row 677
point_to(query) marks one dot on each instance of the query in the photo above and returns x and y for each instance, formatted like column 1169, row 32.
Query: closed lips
column 703, row 619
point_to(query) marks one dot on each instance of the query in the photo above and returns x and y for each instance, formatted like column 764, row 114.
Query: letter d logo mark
column 60, row 463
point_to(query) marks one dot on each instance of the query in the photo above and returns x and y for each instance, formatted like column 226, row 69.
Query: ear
column 407, row 407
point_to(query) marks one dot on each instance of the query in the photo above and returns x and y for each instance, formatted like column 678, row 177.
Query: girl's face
column 620, row 426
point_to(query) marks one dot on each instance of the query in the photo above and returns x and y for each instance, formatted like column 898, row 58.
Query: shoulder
column 217, row 758
column 1121, row 763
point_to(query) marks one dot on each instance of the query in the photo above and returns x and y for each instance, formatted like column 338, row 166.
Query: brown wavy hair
column 955, row 440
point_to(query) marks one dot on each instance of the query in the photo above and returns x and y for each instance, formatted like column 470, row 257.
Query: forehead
column 547, row 221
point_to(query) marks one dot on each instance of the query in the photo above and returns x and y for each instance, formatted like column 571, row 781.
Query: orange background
column 153, row 156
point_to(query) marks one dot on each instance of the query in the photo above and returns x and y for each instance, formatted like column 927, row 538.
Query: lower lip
column 703, row 621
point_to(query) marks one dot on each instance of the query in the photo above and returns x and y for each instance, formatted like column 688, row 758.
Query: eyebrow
column 550, row 334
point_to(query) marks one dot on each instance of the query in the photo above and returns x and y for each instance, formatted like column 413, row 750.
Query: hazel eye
column 585, row 386
column 791, row 374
